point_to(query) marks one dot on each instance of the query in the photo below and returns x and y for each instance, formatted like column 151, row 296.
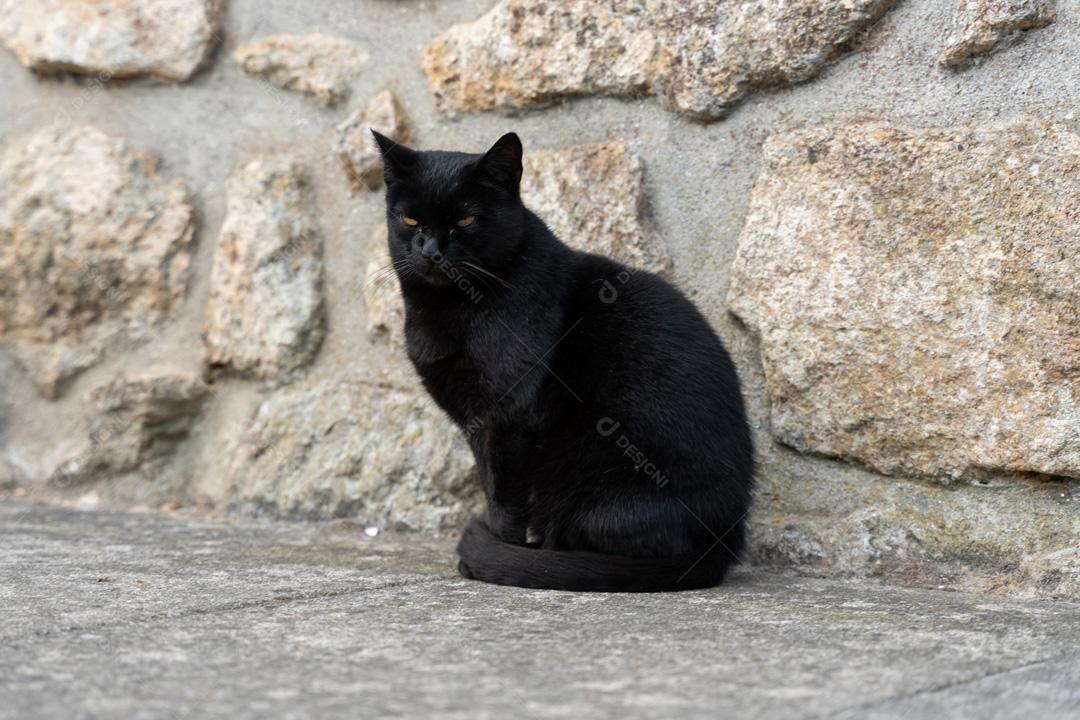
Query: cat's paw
column 476, row 533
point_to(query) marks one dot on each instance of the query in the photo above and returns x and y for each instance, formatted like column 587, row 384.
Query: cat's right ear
column 398, row 160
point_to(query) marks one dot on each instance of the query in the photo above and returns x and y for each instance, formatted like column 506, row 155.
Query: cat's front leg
column 499, row 457
column 507, row 523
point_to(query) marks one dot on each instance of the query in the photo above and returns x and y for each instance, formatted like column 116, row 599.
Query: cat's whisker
column 381, row 282
column 488, row 273
column 473, row 275
column 381, row 275
column 378, row 275
column 384, row 273
column 384, row 268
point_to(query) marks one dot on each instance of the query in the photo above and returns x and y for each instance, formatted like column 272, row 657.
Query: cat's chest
column 454, row 377
column 442, row 348
column 459, row 359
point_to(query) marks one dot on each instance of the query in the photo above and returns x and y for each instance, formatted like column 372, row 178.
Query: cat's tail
column 484, row 557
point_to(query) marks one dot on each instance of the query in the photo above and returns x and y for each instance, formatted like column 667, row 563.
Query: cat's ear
column 398, row 160
column 502, row 163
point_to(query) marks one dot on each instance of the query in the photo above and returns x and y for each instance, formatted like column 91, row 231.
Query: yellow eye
column 409, row 221
column 465, row 221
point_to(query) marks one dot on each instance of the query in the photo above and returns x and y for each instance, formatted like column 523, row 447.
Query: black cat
column 604, row 414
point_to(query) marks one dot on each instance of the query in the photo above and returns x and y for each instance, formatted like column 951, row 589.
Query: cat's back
column 640, row 309
column 639, row 340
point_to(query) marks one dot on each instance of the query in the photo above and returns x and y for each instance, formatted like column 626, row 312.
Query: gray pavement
column 112, row 615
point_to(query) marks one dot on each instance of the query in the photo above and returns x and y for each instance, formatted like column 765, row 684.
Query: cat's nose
column 430, row 248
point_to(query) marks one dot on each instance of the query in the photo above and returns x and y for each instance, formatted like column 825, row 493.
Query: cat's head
column 449, row 212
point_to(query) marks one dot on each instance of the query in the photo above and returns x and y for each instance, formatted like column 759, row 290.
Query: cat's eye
column 411, row 222
column 466, row 221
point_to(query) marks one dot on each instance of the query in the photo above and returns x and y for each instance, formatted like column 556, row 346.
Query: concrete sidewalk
column 133, row 616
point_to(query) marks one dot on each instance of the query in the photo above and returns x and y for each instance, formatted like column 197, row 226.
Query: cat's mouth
column 431, row 273
column 435, row 277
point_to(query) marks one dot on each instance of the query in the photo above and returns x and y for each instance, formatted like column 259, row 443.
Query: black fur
column 604, row 414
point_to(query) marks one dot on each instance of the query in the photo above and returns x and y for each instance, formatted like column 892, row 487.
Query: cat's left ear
column 398, row 160
column 502, row 163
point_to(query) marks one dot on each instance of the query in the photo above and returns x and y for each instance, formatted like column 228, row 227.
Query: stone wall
column 875, row 202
